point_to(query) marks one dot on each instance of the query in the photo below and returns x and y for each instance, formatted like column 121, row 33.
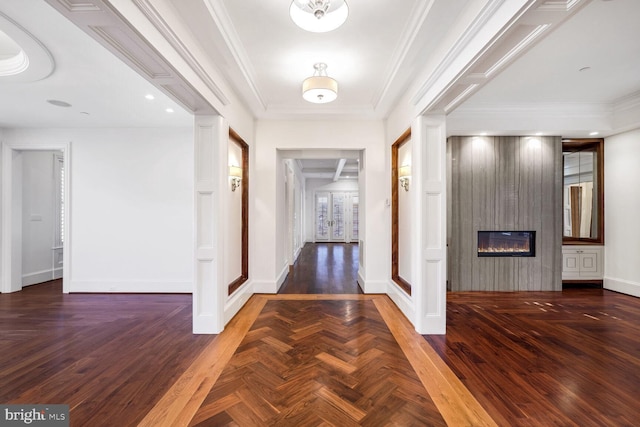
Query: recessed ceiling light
column 169, row 110
column 483, row 133
column 594, row 133
column 84, row 112
column 149, row 96
column 58, row 103
column 584, row 69
column 538, row 133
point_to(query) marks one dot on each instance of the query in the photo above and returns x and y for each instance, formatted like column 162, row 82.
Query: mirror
column 582, row 191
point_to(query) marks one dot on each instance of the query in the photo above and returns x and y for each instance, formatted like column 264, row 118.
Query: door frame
column 9, row 256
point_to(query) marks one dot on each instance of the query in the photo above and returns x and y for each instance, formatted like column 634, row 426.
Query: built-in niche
column 400, row 212
column 583, row 191
column 238, row 208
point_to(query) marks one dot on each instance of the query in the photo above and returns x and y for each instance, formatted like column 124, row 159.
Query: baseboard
column 133, row 286
column 206, row 324
column 622, row 286
column 41, row 276
column 402, row 300
column 282, row 277
column 237, row 301
column 265, row 287
column 373, row 286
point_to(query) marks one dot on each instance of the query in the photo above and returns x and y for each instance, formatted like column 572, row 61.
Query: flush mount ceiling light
column 320, row 88
column 319, row 16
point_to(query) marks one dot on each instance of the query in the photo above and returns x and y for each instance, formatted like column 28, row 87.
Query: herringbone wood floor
column 526, row 359
column 318, row 363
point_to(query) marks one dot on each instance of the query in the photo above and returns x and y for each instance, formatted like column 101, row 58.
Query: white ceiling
column 84, row 74
column 382, row 50
column 604, row 35
column 372, row 56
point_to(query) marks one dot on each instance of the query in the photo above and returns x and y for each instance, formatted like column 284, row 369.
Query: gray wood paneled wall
column 504, row 183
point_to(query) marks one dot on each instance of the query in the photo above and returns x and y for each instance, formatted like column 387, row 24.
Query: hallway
column 324, row 268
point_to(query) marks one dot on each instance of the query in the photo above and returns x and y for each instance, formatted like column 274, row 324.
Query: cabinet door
column 570, row 263
column 589, row 264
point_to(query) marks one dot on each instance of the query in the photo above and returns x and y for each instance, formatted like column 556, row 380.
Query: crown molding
column 80, row 5
column 627, row 102
column 419, row 13
column 478, row 23
column 122, row 43
column 316, row 112
column 559, row 5
column 574, row 109
column 223, row 22
column 152, row 14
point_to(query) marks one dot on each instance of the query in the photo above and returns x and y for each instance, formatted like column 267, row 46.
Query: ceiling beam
column 341, row 163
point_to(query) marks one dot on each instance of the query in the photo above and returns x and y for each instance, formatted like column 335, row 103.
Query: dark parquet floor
column 310, row 363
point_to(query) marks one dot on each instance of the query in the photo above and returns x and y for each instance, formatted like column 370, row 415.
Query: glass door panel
column 337, row 220
column 354, row 217
column 322, row 216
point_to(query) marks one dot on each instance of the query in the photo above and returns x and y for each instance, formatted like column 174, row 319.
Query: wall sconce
column 235, row 173
column 404, row 173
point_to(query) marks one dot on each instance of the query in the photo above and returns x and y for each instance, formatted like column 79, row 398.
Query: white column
column 430, row 292
column 209, row 293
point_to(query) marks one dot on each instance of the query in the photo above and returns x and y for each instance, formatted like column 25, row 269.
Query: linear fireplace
column 506, row 243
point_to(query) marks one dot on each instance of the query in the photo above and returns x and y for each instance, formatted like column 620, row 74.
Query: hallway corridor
column 324, row 268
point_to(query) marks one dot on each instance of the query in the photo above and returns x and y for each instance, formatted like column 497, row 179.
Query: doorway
column 35, row 232
column 320, row 202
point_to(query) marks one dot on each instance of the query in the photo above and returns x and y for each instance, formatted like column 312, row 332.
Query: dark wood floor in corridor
column 324, row 268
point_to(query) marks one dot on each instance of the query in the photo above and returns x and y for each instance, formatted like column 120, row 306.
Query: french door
column 336, row 217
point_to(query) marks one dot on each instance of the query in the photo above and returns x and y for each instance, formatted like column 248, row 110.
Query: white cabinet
column 582, row 262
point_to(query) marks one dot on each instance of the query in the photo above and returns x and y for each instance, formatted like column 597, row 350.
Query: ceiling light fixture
column 319, row 16
column 320, row 88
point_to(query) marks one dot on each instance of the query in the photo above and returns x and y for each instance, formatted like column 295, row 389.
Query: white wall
column 622, row 204
column 318, row 184
column 268, row 227
column 131, row 207
column 39, row 220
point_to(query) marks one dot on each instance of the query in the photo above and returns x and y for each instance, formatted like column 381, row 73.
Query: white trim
column 6, row 213
column 40, row 276
column 282, row 277
column 237, row 301
column 265, row 287
column 402, row 300
column 373, row 286
column 622, row 286
column 131, row 286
